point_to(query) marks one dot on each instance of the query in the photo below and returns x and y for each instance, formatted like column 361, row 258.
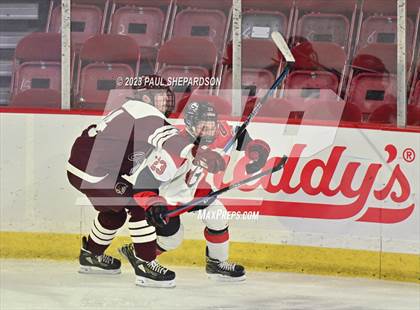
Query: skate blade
column 97, row 270
column 223, row 278
column 142, row 281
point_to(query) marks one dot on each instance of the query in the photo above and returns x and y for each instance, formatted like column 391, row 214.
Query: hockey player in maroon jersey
column 201, row 129
column 107, row 165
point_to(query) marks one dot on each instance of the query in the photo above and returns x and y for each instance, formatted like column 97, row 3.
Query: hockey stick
column 290, row 60
column 213, row 195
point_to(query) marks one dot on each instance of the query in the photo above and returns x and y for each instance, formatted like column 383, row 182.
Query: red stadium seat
column 368, row 91
column 253, row 81
column 318, row 66
column 319, row 56
column 144, row 24
column 202, row 23
column 310, row 82
column 413, row 115
column 324, row 21
column 260, row 54
column 34, row 74
column 383, row 29
column 385, row 114
column 37, row 98
column 258, row 24
column 415, row 97
column 275, row 108
column 102, row 62
column 376, row 58
column 329, row 109
column 261, row 18
column 373, row 78
column 189, row 72
column 37, row 63
column 186, row 57
column 86, row 21
column 380, row 22
column 317, row 27
column 351, row 113
column 415, row 82
column 260, row 61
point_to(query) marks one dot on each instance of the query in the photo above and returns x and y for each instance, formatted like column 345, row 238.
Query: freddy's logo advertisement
column 358, row 185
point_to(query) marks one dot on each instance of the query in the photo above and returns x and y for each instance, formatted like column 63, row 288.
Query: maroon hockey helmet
column 158, row 92
column 201, row 122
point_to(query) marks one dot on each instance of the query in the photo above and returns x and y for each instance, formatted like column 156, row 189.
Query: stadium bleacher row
column 348, row 48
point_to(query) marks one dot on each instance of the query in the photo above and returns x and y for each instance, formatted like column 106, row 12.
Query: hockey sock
column 217, row 243
column 104, row 229
column 143, row 235
column 159, row 250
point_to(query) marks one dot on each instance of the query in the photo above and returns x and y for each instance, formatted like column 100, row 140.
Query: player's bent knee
column 136, row 214
column 112, row 220
column 173, row 241
column 216, row 216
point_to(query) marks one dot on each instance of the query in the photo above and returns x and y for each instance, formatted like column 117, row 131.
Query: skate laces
column 227, row 266
column 105, row 259
column 155, row 266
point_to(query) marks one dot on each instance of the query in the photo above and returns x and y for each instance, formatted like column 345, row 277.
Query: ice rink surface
column 56, row 285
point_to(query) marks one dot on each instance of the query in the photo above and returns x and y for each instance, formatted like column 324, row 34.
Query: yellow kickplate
column 254, row 256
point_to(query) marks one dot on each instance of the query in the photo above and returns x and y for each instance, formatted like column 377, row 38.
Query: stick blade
column 282, row 46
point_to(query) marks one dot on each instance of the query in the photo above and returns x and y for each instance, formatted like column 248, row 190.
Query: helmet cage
column 201, row 122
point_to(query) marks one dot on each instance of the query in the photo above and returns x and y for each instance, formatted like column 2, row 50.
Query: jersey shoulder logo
column 120, row 188
column 138, row 159
column 136, row 156
column 193, row 176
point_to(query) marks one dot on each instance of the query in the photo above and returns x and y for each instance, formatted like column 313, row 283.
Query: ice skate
column 97, row 264
column 224, row 271
column 150, row 274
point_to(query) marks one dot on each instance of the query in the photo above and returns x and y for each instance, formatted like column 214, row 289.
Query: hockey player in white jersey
column 189, row 182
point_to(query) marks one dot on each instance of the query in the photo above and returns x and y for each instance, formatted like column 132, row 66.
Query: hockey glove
column 210, row 160
column 257, row 151
column 155, row 217
column 154, row 206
